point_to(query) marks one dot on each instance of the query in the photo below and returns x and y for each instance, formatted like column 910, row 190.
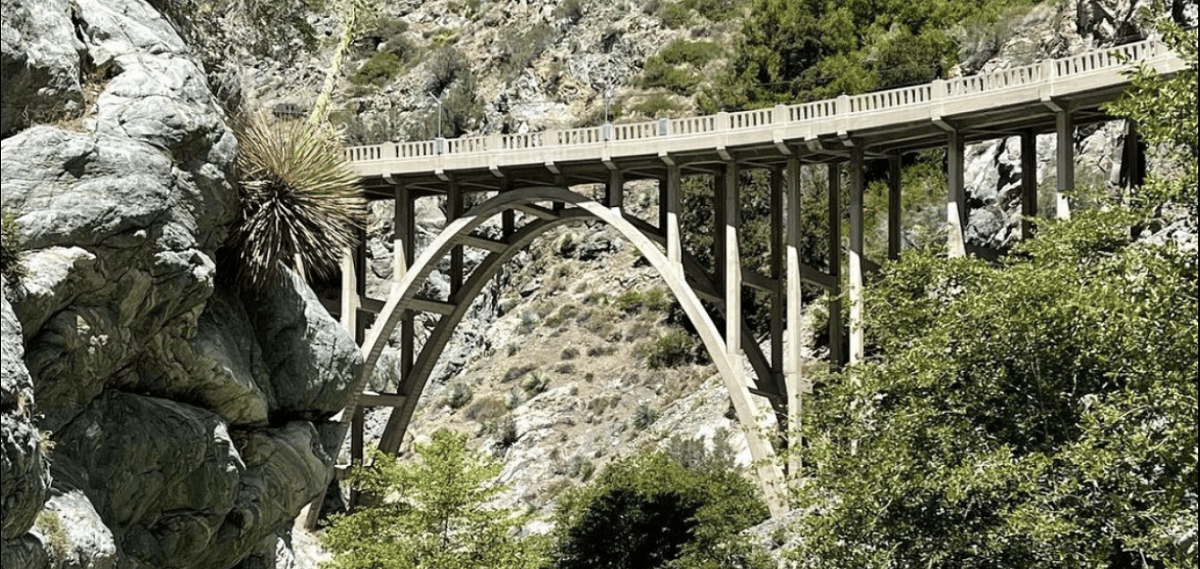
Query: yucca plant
column 301, row 204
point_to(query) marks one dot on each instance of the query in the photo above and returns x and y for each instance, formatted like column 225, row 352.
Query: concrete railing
column 838, row 110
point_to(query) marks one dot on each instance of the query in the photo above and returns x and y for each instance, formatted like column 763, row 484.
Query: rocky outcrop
column 40, row 58
column 23, row 466
column 186, row 419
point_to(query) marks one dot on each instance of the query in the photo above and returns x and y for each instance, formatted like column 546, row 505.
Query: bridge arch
column 576, row 209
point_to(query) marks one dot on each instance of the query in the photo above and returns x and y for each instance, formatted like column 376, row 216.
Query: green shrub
column 432, row 512
column 672, row 349
column 534, row 383
column 1058, row 435
column 459, row 395
column 522, row 49
column 488, row 408
column 648, row 511
column 564, row 313
column 676, row 67
column 673, row 15
column 517, row 372
column 600, row 350
column 686, row 52
column 652, row 300
column 644, row 416
column 657, row 105
column 570, row 353
column 57, row 542
column 389, row 35
column 581, row 467
column 446, row 66
column 381, row 68
column 11, row 262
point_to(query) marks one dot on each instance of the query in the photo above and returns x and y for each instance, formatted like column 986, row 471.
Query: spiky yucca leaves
column 300, row 201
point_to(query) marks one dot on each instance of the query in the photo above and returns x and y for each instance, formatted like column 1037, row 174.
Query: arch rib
column 403, row 292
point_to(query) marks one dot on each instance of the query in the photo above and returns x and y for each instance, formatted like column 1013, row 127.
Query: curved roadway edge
column 769, row 474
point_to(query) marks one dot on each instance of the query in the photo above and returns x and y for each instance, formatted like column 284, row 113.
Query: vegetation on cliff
column 793, row 51
column 11, row 268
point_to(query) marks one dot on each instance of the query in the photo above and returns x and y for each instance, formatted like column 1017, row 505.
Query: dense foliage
column 799, row 50
column 432, row 515
column 1036, row 413
column 650, row 511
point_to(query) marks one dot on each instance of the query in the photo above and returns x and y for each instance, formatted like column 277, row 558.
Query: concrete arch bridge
column 527, row 180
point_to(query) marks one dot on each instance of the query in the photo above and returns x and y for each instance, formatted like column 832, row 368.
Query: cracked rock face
column 187, row 421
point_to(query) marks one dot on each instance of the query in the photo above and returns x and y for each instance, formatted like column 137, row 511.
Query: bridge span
column 526, row 180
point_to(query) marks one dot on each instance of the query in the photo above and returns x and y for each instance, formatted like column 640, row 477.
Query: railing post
column 664, row 127
column 722, row 119
column 842, row 110
column 439, row 145
column 779, row 115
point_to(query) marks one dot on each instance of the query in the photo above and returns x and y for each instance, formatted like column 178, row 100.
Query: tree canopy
column 433, row 514
column 1040, row 412
column 800, row 50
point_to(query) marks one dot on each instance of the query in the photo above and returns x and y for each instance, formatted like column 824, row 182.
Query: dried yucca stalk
column 301, row 205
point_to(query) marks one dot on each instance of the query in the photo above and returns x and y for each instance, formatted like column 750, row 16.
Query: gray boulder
column 40, row 58
column 312, row 362
column 177, row 488
column 22, row 464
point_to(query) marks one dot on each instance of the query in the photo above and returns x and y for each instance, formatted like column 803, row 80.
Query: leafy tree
column 1036, row 413
column 648, row 511
column 1164, row 109
column 433, row 515
column 799, row 50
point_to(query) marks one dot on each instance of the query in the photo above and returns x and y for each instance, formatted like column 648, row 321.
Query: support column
column 1133, row 158
column 615, row 190
column 719, row 191
column 404, row 247
column 777, row 271
column 856, row 255
column 674, row 240
column 956, row 198
column 350, row 300
column 894, row 211
column 662, row 205
column 733, row 263
column 837, row 352
column 357, row 428
column 454, row 210
column 1029, row 182
column 792, row 359
column 360, row 284
column 1066, row 163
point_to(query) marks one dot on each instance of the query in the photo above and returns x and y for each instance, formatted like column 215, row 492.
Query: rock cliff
column 152, row 416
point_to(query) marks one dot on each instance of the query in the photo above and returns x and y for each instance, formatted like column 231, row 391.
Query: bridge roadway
column 528, row 177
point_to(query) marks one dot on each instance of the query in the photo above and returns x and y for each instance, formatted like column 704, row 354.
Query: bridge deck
column 1002, row 103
